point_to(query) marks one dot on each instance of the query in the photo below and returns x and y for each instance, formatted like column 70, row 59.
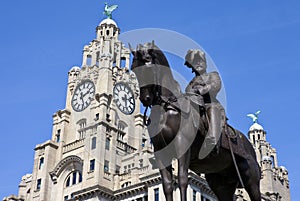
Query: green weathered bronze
column 109, row 9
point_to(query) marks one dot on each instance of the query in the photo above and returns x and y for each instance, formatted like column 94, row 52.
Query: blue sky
column 255, row 45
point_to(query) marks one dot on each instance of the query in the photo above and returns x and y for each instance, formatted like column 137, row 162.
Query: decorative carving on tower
column 274, row 178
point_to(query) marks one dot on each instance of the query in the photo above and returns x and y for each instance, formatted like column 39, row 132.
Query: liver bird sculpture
column 109, row 9
column 254, row 116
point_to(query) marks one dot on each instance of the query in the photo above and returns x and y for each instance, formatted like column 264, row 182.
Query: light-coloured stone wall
column 118, row 166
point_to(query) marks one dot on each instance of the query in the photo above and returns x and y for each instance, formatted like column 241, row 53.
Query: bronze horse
column 178, row 129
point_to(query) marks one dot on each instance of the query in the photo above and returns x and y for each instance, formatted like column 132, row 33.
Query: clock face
column 123, row 97
column 83, row 95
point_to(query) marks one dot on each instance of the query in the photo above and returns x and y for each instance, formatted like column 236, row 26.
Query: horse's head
column 147, row 62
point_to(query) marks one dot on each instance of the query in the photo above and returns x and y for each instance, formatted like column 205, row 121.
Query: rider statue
column 203, row 90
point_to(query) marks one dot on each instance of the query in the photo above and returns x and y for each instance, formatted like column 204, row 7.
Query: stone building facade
column 100, row 149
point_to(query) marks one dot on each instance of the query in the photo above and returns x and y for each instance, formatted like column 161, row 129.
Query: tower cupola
column 107, row 29
column 256, row 131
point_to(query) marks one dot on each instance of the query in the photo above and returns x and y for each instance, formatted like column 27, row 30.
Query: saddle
column 236, row 139
column 188, row 104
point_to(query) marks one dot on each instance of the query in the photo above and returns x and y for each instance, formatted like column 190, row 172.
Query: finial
column 109, row 9
column 254, row 116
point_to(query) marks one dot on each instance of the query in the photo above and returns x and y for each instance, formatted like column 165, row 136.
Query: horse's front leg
column 183, row 166
column 167, row 182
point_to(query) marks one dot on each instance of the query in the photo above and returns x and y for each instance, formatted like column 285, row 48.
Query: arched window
column 81, row 125
column 122, row 129
column 126, row 184
column 68, row 182
column 74, row 178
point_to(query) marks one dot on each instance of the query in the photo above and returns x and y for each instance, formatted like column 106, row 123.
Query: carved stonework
column 87, row 72
column 124, row 75
column 62, row 165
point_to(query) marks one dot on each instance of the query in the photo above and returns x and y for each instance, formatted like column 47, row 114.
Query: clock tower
column 100, row 149
column 100, row 125
column 103, row 88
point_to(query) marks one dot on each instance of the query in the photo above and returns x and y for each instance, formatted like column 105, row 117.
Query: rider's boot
column 215, row 128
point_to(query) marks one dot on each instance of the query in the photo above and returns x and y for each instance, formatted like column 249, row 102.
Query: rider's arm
column 212, row 86
column 215, row 83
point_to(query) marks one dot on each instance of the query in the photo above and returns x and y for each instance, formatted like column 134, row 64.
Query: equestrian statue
column 192, row 128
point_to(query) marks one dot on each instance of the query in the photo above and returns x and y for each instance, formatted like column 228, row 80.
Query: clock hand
column 125, row 99
column 88, row 92
column 81, row 97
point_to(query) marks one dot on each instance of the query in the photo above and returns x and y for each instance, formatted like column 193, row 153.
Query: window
column 108, row 117
column 92, row 165
column 156, row 194
column 97, row 116
column 144, row 142
column 121, row 130
column 41, row 163
column 58, row 135
column 82, row 125
column 66, row 197
column 74, row 178
column 108, row 129
column 141, row 163
column 123, row 62
column 68, row 182
column 80, row 178
column 106, row 166
column 97, row 58
column 38, row 184
column 194, row 195
column 89, row 60
column 273, row 161
column 145, row 198
column 118, row 169
column 107, row 143
column 94, row 143
column 126, row 184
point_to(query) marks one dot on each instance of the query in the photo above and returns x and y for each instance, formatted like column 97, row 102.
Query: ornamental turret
column 274, row 178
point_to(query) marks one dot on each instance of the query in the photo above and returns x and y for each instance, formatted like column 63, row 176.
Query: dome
column 256, row 126
column 74, row 69
column 108, row 22
column 266, row 158
column 283, row 168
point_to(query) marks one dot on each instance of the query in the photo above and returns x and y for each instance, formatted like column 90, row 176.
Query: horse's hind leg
column 167, row 182
column 222, row 186
column 183, row 166
column 251, row 179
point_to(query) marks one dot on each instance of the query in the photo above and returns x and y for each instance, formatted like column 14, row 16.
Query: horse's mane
column 159, row 58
